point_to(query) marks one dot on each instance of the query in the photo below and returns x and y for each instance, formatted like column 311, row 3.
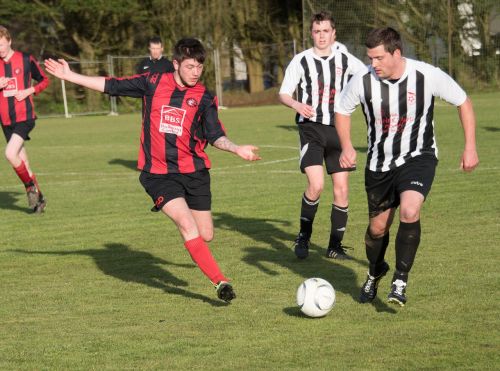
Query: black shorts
column 320, row 143
column 20, row 128
column 193, row 187
column 384, row 188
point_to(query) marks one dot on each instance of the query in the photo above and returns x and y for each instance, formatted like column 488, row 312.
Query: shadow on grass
column 290, row 127
column 265, row 231
column 128, row 265
column 259, row 229
column 129, row 164
column 492, row 129
column 8, row 201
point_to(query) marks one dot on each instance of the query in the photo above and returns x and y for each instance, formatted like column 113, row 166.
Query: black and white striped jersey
column 318, row 80
column 399, row 114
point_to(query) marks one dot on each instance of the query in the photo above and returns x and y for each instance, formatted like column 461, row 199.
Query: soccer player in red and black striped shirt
column 17, row 113
column 180, row 119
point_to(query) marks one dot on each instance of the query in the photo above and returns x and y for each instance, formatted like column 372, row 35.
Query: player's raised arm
column 246, row 152
column 60, row 69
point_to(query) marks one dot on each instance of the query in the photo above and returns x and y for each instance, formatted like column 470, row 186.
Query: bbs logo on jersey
column 191, row 102
column 172, row 120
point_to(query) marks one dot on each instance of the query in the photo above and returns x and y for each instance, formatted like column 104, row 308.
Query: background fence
column 459, row 36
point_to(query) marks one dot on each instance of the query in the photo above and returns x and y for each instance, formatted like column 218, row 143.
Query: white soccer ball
column 315, row 297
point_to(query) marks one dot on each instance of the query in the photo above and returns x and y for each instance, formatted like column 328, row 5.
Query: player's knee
column 314, row 191
column 378, row 230
column 409, row 214
column 11, row 156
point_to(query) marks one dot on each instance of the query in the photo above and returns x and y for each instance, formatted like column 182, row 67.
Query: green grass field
column 100, row 282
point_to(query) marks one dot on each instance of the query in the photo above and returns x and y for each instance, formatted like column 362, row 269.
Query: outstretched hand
column 248, row 152
column 59, row 68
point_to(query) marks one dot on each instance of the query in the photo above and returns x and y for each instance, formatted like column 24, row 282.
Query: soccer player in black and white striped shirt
column 397, row 95
column 320, row 73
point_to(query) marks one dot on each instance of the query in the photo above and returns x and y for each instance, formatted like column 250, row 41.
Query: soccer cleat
column 225, row 291
column 33, row 195
column 337, row 252
column 40, row 205
column 397, row 294
column 369, row 288
column 301, row 246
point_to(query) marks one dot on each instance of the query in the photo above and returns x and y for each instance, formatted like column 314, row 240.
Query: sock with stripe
column 338, row 218
column 307, row 213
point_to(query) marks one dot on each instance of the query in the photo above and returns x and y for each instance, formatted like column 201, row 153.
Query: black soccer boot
column 337, row 252
column 301, row 246
column 225, row 291
column 398, row 293
column 369, row 288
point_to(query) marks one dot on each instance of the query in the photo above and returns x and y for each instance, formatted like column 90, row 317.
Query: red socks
column 201, row 255
column 23, row 174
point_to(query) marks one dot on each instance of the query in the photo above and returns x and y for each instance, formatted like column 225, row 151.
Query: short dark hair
column 189, row 48
column 4, row 32
column 386, row 36
column 322, row 16
column 154, row 40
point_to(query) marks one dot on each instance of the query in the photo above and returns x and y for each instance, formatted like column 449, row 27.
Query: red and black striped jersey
column 21, row 68
column 177, row 123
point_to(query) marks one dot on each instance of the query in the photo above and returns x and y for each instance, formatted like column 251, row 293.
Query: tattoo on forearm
column 225, row 144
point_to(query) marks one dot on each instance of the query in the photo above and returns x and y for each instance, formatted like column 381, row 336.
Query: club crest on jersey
column 154, row 77
column 172, row 120
column 191, row 102
column 411, row 98
column 17, row 71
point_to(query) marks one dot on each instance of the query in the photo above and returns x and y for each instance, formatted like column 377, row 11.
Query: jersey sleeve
column 339, row 46
column 292, row 77
column 212, row 127
column 355, row 65
column 349, row 97
column 38, row 75
column 447, row 88
column 135, row 86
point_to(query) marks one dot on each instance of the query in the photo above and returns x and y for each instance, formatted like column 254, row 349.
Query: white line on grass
column 224, row 170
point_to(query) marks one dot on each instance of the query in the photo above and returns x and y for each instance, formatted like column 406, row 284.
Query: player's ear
column 176, row 64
